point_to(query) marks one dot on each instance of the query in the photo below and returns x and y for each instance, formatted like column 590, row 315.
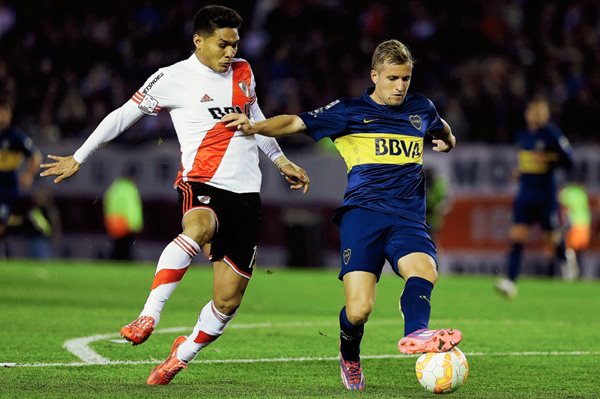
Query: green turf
column 509, row 345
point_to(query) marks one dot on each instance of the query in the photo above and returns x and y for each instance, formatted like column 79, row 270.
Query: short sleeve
column 435, row 123
column 27, row 146
column 328, row 121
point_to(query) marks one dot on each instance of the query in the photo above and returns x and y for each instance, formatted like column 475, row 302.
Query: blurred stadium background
column 69, row 63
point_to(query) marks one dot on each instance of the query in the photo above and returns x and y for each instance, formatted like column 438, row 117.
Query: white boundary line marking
column 296, row 359
column 80, row 346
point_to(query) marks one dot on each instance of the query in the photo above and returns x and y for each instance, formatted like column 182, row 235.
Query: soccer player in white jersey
column 218, row 184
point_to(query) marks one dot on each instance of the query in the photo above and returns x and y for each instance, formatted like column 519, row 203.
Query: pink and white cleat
column 424, row 340
column 352, row 375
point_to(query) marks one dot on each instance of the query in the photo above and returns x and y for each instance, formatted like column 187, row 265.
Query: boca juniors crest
column 416, row 121
column 346, row 255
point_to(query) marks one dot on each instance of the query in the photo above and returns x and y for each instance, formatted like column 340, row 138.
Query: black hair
column 213, row 17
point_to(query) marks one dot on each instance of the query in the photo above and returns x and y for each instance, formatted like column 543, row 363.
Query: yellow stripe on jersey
column 10, row 160
column 535, row 162
column 379, row 148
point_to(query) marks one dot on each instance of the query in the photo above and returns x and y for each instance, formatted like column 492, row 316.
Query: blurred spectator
column 576, row 205
column 123, row 215
column 7, row 19
column 436, row 200
column 84, row 57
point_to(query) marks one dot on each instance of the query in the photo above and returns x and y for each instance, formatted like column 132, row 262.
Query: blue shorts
column 6, row 206
column 369, row 238
column 530, row 211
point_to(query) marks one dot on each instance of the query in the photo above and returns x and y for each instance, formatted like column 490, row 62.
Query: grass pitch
column 283, row 342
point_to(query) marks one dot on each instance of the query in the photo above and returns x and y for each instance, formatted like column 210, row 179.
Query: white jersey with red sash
column 196, row 98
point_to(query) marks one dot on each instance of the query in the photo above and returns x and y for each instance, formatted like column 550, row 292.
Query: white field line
column 80, row 346
column 296, row 359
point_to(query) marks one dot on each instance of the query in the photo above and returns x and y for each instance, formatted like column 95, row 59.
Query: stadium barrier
column 473, row 237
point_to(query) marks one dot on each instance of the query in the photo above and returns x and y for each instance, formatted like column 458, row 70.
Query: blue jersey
column 540, row 153
column 14, row 148
column 383, row 150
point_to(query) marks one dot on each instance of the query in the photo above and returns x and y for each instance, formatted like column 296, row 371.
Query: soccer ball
column 442, row 372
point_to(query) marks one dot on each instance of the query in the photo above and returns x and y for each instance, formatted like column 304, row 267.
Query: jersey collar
column 367, row 97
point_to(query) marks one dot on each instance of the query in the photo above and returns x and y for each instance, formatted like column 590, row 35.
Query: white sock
column 172, row 265
column 209, row 327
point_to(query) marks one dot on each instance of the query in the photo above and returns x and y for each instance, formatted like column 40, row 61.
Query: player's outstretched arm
column 443, row 140
column 64, row 167
column 277, row 126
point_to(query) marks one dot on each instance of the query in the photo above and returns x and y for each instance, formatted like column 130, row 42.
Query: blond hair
column 393, row 52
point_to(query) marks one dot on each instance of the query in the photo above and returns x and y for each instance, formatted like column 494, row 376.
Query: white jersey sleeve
column 148, row 100
column 268, row 145
column 111, row 126
column 155, row 94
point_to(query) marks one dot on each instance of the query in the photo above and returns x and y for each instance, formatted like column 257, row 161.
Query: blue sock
column 514, row 261
column 415, row 304
column 350, row 337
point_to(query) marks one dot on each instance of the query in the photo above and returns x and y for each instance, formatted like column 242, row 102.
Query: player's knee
column 418, row 265
column 423, row 270
column 358, row 314
column 227, row 306
column 198, row 232
column 199, row 225
column 429, row 274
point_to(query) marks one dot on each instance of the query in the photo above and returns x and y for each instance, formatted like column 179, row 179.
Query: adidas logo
column 206, row 98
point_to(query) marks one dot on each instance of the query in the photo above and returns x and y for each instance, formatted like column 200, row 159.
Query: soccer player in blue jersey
column 542, row 149
column 382, row 217
column 15, row 149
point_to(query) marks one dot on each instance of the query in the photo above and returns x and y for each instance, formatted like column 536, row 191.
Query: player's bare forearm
column 63, row 167
column 277, row 126
column 443, row 140
column 280, row 125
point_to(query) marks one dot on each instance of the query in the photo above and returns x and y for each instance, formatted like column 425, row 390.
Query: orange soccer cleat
column 422, row 341
column 167, row 370
column 139, row 330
